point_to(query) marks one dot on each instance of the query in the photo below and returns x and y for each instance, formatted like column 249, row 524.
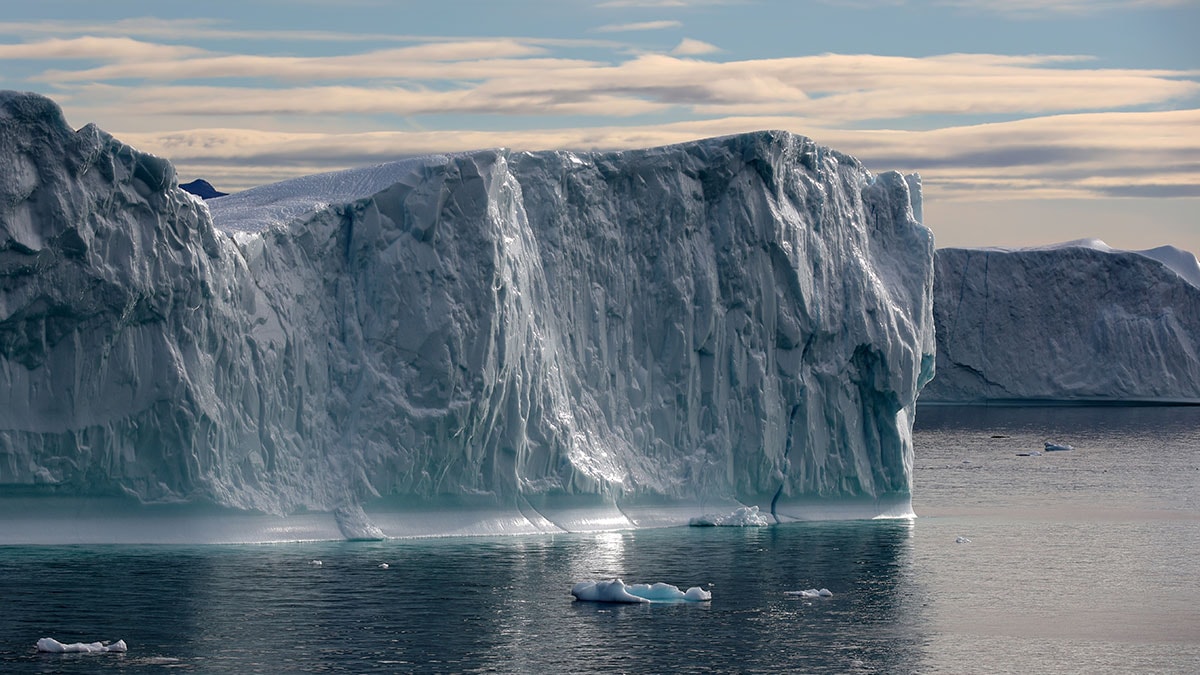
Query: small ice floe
column 50, row 645
column 615, row 590
column 746, row 516
column 315, row 563
column 810, row 593
column 1058, row 447
column 962, row 540
column 383, row 566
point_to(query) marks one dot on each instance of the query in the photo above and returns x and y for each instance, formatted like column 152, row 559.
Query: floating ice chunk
column 383, row 566
column 53, row 646
column 811, row 593
column 315, row 563
column 962, row 540
column 616, row 590
column 1056, row 447
column 746, row 516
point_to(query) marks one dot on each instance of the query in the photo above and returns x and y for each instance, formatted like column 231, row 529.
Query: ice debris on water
column 810, row 593
column 962, row 540
column 1058, row 447
column 615, row 590
column 383, row 566
column 315, row 563
column 52, row 646
column 746, row 516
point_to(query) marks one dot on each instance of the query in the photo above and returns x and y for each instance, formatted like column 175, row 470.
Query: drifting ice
column 493, row 342
column 746, row 516
column 54, row 646
column 811, row 593
column 615, row 590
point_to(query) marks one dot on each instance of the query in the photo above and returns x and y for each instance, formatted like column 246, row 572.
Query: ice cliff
column 560, row 340
column 1078, row 321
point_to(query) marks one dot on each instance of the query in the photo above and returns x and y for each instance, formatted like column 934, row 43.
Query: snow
column 615, row 590
column 494, row 342
column 746, row 516
column 54, row 646
column 1077, row 321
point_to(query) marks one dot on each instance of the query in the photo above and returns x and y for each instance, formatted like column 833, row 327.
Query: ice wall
column 1077, row 321
column 549, row 336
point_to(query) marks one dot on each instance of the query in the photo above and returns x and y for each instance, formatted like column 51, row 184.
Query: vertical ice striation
column 744, row 319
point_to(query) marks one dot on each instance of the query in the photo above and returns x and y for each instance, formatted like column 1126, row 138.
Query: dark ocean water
column 1078, row 562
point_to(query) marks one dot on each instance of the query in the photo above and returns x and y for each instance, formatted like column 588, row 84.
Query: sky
column 1030, row 121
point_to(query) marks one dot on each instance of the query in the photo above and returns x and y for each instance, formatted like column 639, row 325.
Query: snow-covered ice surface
column 485, row 343
column 615, row 590
column 50, row 645
column 1077, row 321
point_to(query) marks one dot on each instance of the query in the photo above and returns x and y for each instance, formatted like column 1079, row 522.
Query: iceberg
column 495, row 342
column 1078, row 322
column 615, row 590
column 810, row 593
column 50, row 645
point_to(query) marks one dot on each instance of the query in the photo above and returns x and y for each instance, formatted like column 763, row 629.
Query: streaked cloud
column 638, row 26
column 690, row 47
column 101, row 48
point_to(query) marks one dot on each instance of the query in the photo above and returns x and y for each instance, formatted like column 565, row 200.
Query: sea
column 1076, row 561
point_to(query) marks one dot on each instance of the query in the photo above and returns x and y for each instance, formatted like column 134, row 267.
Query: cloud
column 1028, row 8
column 639, row 26
column 1042, row 7
column 101, row 48
column 690, row 47
column 509, row 76
column 1077, row 156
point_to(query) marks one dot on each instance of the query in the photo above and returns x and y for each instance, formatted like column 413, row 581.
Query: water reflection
column 470, row 605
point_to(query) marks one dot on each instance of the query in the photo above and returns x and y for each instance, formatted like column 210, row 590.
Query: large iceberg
column 1077, row 321
column 487, row 342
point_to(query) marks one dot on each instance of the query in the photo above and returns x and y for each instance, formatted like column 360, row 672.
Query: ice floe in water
column 53, row 646
column 315, row 563
column 615, row 590
column 810, row 593
column 1058, row 447
column 746, row 516
column 962, row 540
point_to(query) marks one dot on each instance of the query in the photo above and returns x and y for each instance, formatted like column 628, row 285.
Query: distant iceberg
column 1077, row 322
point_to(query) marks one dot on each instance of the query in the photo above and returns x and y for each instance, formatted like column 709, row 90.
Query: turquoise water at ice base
column 1078, row 562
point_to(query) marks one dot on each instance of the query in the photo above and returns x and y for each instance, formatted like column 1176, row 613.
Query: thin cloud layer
column 976, row 125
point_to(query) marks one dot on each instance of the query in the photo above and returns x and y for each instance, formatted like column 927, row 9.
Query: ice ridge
column 744, row 320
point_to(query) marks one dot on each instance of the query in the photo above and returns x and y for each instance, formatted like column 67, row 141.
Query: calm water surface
column 1079, row 562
